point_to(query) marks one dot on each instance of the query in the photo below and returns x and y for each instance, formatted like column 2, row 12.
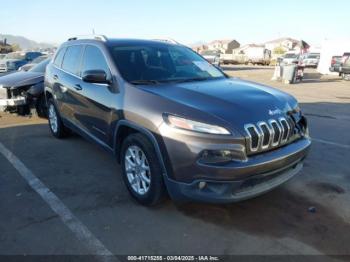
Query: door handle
column 55, row 77
column 78, row 87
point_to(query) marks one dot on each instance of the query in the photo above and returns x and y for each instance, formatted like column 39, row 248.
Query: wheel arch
column 124, row 128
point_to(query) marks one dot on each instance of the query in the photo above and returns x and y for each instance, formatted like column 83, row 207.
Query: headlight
column 182, row 123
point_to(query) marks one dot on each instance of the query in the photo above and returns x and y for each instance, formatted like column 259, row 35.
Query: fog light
column 202, row 185
column 216, row 156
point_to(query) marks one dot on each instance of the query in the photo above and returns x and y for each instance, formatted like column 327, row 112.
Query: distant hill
column 24, row 43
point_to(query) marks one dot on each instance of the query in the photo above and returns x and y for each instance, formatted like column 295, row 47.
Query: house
column 284, row 43
column 224, row 46
column 199, row 48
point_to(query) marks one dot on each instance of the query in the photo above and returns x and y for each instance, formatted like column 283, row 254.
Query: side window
column 94, row 60
column 71, row 59
column 59, row 57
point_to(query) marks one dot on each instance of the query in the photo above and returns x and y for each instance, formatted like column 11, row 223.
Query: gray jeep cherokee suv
column 176, row 123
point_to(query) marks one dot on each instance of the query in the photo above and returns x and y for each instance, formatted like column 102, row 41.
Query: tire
column 56, row 125
column 346, row 77
column 23, row 110
column 146, row 172
column 40, row 107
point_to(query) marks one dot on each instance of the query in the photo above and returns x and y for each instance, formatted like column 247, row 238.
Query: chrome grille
column 269, row 134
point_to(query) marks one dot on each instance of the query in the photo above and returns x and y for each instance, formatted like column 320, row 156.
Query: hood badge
column 275, row 112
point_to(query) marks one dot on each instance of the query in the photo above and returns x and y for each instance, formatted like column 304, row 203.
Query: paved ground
column 87, row 181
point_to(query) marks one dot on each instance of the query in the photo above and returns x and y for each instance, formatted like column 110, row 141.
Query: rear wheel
column 56, row 125
column 141, row 170
column 346, row 77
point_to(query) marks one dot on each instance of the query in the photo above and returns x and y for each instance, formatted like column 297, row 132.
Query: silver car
column 311, row 60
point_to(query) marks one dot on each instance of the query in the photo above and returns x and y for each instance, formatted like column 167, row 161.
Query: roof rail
column 168, row 40
column 95, row 37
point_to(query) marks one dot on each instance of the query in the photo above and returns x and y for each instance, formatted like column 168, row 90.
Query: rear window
column 32, row 55
column 71, row 59
column 59, row 57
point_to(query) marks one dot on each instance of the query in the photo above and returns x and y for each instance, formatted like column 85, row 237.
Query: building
column 199, row 48
column 5, row 47
column 224, row 46
column 284, row 43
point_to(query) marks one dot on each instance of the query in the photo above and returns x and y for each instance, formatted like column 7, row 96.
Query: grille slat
column 269, row 134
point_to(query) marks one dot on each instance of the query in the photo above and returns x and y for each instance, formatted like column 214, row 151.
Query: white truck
column 251, row 54
column 257, row 55
column 235, row 59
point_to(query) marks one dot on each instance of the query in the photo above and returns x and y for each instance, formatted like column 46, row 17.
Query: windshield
column 290, row 56
column 162, row 63
column 41, row 67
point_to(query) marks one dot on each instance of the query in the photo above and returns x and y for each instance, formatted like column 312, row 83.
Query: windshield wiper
column 144, row 82
column 193, row 79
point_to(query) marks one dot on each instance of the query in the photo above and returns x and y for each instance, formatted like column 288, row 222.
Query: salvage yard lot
column 87, row 181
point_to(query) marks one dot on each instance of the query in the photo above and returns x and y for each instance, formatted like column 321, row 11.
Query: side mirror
column 95, row 76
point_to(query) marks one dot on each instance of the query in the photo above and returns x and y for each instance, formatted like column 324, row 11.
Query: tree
column 15, row 47
column 279, row 50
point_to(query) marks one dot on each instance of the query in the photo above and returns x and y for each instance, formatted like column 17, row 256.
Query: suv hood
column 235, row 101
column 20, row 79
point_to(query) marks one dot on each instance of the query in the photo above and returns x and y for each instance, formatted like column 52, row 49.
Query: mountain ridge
column 24, row 43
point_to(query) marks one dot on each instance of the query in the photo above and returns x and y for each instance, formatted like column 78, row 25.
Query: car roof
column 121, row 42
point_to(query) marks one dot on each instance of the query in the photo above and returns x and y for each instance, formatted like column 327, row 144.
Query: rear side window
column 71, row 59
column 59, row 57
column 94, row 60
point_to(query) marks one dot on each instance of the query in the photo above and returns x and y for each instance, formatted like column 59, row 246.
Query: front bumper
column 13, row 102
column 232, row 191
column 227, row 182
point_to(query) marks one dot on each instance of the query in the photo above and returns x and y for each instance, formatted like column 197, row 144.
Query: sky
column 188, row 22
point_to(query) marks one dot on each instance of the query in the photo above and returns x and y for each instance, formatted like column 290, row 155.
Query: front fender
column 142, row 130
column 36, row 90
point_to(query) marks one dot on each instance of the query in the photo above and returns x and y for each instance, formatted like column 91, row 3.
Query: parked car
column 20, row 92
column 15, row 60
column 36, row 61
column 311, row 60
column 212, row 57
column 344, row 69
column 335, row 63
column 290, row 58
column 175, row 122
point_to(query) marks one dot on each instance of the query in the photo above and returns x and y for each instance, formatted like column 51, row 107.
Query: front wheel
column 56, row 125
column 141, row 170
column 346, row 77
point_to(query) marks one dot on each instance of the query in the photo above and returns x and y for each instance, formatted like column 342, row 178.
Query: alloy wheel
column 53, row 118
column 137, row 170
